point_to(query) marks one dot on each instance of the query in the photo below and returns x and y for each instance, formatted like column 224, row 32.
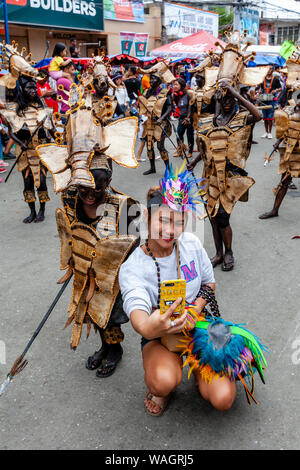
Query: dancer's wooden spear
column 20, row 363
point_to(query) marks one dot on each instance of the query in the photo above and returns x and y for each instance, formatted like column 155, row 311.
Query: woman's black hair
column 63, row 67
column 21, row 102
column 154, row 200
column 58, row 48
column 181, row 82
column 132, row 68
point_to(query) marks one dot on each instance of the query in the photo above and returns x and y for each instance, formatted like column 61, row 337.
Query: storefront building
column 39, row 24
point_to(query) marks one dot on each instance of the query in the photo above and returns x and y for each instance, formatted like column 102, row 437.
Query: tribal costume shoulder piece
column 86, row 137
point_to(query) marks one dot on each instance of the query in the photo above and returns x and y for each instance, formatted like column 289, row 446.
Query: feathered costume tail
column 218, row 348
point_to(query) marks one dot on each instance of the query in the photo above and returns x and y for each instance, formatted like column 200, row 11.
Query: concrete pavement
column 56, row 403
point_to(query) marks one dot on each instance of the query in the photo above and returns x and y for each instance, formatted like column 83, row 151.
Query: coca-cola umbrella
column 193, row 46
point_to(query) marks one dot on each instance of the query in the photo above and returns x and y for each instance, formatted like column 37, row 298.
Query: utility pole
column 5, row 16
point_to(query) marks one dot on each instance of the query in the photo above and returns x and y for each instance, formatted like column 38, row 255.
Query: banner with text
column 124, row 10
column 69, row 14
column 181, row 21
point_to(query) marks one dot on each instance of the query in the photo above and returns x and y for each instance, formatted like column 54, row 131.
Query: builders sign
column 74, row 14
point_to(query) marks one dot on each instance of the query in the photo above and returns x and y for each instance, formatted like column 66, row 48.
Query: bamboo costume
column 226, row 152
column 93, row 250
column 288, row 134
column 288, row 124
column 30, row 123
column 24, row 126
column 288, row 129
column 153, row 106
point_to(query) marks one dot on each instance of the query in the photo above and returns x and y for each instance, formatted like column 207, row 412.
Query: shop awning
column 191, row 46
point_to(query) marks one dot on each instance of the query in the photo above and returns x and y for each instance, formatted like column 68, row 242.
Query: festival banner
column 182, row 21
column 68, row 14
column 124, row 10
column 141, row 41
column 126, row 39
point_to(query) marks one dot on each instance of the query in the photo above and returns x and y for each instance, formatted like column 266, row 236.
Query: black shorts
column 145, row 341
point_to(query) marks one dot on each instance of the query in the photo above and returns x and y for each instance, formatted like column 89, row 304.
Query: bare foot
column 268, row 215
column 217, row 259
column 228, row 263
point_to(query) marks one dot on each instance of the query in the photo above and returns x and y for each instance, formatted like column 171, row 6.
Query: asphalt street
column 56, row 403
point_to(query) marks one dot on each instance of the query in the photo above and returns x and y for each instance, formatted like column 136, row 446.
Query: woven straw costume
column 153, row 107
column 288, row 124
column 32, row 123
column 92, row 251
column 226, row 148
column 288, row 137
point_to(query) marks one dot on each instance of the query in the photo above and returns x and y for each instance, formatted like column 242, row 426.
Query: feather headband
column 180, row 189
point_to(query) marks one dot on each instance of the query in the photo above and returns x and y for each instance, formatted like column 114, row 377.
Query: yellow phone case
column 171, row 291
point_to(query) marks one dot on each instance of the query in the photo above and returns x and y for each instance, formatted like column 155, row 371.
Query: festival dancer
column 225, row 147
column 29, row 123
column 170, row 253
column 156, row 105
column 224, row 144
column 288, row 133
column 94, row 224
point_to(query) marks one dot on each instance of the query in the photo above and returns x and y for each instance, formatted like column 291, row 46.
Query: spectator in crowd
column 132, row 83
column 287, row 92
column 121, row 92
column 64, row 85
column 74, row 50
column 46, row 92
column 268, row 91
column 145, row 82
column 3, row 164
column 59, row 54
column 182, row 100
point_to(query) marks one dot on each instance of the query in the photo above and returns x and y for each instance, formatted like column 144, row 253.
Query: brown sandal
column 149, row 396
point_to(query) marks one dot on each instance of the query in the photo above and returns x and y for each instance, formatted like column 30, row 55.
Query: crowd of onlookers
column 54, row 84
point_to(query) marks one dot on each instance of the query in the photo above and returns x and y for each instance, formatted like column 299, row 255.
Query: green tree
column 225, row 18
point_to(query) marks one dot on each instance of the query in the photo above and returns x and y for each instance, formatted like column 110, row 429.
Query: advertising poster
column 181, row 21
column 124, row 10
column 141, row 41
column 126, row 38
column 249, row 20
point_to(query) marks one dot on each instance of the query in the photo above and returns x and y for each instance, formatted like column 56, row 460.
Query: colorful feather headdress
column 180, row 189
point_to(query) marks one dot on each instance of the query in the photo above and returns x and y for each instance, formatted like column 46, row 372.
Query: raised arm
column 254, row 112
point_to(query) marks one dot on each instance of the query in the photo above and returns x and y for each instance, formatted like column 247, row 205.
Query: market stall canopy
column 262, row 59
column 191, row 46
column 264, row 49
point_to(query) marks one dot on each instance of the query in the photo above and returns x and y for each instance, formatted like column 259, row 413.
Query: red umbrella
column 191, row 46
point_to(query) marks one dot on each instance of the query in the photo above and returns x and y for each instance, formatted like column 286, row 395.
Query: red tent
column 191, row 46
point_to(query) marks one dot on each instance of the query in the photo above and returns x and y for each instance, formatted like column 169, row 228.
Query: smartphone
column 171, row 291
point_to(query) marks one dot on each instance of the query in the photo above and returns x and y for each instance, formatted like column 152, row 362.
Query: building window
column 290, row 33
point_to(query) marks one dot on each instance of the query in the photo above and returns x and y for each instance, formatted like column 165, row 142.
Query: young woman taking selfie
column 169, row 253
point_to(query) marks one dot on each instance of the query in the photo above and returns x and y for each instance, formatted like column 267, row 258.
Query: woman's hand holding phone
column 161, row 324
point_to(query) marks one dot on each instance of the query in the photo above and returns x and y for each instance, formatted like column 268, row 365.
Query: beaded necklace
column 158, row 268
